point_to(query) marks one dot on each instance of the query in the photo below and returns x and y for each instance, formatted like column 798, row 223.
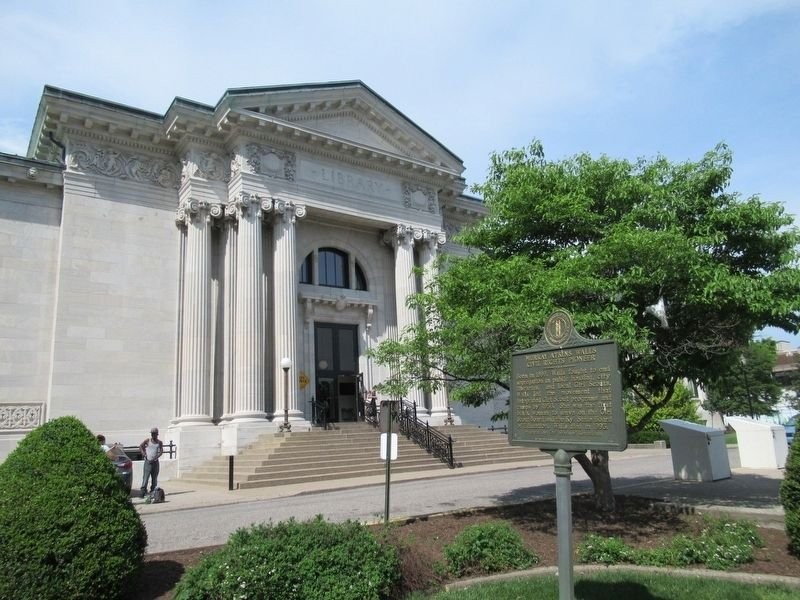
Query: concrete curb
column 755, row 578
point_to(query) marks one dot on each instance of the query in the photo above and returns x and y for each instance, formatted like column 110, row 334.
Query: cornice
column 16, row 169
column 72, row 133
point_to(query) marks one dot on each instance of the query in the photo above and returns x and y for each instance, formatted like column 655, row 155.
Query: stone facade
column 156, row 269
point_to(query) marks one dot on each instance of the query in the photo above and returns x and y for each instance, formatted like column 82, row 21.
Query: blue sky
column 627, row 79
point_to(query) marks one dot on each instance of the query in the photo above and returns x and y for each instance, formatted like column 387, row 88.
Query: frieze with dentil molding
column 208, row 165
column 265, row 160
column 20, row 416
column 110, row 162
column 419, row 197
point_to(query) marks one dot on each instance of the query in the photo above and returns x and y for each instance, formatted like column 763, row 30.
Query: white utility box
column 698, row 453
column 761, row 445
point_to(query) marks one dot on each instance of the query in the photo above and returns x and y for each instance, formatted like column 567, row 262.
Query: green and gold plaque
column 566, row 392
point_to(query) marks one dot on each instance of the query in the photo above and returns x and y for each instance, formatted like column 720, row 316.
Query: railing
column 319, row 413
column 434, row 442
column 504, row 428
column 134, row 453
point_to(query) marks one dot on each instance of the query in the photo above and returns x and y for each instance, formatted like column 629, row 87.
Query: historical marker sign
column 566, row 392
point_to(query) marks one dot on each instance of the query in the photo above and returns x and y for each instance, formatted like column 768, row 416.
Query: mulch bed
column 639, row 521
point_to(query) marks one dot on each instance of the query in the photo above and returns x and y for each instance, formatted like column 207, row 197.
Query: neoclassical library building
column 213, row 269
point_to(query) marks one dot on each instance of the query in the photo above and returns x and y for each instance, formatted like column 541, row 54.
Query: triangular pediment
column 348, row 126
column 348, row 111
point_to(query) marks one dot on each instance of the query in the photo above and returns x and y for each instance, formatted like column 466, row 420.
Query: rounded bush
column 790, row 497
column 67, row 526
column 487, row 548
column 310, row 560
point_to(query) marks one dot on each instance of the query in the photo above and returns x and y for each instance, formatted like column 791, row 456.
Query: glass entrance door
column 336, row 349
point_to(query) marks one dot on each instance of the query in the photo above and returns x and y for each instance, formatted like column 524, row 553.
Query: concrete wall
column 115, row 323
column 30, row 214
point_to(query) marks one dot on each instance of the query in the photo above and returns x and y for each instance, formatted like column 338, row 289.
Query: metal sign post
column 562, row 466
column 386, row 423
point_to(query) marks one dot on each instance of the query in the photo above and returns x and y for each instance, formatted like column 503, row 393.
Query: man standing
column 152, row 449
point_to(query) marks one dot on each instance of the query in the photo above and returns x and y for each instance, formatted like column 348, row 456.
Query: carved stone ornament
column 289, row 210
column 419, row 197
column 190, row 209
column 264, row 160
column 20, row 416
column 211, row 166
column 451, row 228
column 434, row 238
column 245, row 202
column 122, row 165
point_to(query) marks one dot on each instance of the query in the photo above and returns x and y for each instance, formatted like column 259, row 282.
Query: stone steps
column 350, row 451
column 302, row 457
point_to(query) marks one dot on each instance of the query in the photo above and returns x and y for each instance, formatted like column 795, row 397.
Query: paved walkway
column 749, row 493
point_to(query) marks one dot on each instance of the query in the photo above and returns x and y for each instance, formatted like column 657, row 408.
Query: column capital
column 288, row 210
column 191, row 210
column 246, row 203
column 402, row 235
column 433, row 239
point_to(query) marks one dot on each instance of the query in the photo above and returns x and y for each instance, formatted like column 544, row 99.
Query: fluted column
column 405, row 285
column 285, row 257
column 428, row 252
column 229, row 325
column 194, row 402
column 249, row 327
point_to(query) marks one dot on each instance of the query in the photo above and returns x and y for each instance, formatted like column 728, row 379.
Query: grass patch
column 730, row 438
column 618, row 585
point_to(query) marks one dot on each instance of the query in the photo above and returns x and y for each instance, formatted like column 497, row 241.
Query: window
column 361, row 281
column 333, row 270
column 307, row 269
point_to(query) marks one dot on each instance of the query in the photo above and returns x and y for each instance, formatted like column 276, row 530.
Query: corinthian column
column 194, row 402
column 286, row 307
column 440, row 408
column 249, row 332
column 405, row 284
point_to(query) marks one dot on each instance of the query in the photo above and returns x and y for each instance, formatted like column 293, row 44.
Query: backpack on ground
column 157, row 496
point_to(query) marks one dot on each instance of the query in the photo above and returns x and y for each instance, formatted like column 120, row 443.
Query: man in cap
column 152, row 449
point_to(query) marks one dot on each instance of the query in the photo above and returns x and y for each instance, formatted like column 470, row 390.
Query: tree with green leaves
column 655, row 255
column 744, row 384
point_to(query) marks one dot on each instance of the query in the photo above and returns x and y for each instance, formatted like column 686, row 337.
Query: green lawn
column 616, row 585
column 730, row 438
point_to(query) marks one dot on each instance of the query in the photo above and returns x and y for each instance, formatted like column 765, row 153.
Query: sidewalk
column 749, row 493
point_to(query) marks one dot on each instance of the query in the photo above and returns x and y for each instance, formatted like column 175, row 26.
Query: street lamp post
column 286, row 364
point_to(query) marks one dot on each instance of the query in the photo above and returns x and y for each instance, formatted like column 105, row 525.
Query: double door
column 336, row 356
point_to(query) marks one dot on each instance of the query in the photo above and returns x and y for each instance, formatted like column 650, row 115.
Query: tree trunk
column 596, row 468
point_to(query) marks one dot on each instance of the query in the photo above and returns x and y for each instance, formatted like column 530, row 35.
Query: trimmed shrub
column 487, row 548
column 67, row 526
column 790, row 497
column 310, row 560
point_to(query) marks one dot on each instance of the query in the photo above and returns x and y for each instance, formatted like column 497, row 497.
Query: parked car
column 123, row 465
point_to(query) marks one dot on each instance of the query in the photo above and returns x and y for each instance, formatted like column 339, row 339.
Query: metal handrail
column 319, row 413
column 434, row 442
